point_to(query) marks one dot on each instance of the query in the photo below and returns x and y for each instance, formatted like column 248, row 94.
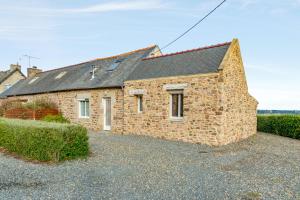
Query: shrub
column 37, row 104
column 40, row 104
column 43, row 141
column 56, row 118
column 284, row 125
column 8, row 105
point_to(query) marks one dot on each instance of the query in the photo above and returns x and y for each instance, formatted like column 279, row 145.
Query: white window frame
column 60, row 75
column 7, row 86
column 85, row 116
column 33, row 80
column 180, row 99
column 140, row 102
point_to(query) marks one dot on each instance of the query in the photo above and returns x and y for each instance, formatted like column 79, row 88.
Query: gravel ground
column 137, row 167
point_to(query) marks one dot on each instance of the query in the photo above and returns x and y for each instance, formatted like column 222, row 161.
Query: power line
column 183, row 34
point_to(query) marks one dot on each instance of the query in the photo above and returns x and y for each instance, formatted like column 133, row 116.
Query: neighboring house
column 10, row 77
column 198, row 96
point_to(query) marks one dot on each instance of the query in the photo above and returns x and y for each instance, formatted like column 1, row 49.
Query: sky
column 61, row 32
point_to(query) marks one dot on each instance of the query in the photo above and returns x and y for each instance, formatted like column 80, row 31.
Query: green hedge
column 43, row 141
column 284, row 125
column 56, row 118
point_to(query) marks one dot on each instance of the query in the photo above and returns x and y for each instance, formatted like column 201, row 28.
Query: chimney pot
column 14, row 67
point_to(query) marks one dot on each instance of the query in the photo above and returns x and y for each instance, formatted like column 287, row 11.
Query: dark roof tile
column 195, row 61
column 79, row 76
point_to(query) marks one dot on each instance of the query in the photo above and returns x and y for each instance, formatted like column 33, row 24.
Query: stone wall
column 202, row 117
column 217, row 107
column 239, row 107
column 68, row 105
column 14, row 78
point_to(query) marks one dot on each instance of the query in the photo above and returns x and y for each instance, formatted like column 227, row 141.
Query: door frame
column 105, row 127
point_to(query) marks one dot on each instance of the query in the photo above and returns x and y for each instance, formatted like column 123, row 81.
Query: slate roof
column 134, row 65
column 5, row 74
column 79, row 76
column 195, row 61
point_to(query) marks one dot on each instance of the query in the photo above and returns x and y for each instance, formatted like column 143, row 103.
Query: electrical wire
column 202, row 19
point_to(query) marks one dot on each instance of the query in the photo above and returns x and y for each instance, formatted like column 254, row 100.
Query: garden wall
column 23, row 113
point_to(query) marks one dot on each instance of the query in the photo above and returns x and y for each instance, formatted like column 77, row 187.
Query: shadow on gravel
column 9, row 185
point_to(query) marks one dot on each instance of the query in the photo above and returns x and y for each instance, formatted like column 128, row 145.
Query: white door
column 107, row 113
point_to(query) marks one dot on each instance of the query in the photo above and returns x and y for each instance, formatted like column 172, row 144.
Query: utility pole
column 29, row 59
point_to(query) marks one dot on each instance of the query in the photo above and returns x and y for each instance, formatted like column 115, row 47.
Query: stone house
column 9, row 77
column 198, row 96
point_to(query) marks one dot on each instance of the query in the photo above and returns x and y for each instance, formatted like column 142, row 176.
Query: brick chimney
column 15, row 66
column 31, row 72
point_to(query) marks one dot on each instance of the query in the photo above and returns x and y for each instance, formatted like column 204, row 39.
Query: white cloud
column 117, row 6
column 25, row 22
column 247, row 3
column 129, row 5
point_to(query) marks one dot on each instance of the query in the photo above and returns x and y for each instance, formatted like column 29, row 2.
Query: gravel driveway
column 137, row 167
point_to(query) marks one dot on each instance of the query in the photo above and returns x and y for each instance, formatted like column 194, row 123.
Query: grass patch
column 283, row 125
column 43, row 141
column 252, row 196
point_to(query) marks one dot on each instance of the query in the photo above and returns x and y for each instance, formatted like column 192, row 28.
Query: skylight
column 115, row 64
column 61, row 74
column 33, row 80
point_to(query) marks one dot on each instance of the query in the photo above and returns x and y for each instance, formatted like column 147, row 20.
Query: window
column 7, row 86
column 60, row 75
column 140, row 103
column 115, row 64
column 84, row 108
column 33, row 80
column 177, row 105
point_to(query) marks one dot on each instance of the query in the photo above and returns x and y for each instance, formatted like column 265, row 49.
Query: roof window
column 115, row 64
column 33, row 80
column 60, row 75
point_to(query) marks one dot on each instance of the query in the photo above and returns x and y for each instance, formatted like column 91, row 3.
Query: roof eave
column 65, row 90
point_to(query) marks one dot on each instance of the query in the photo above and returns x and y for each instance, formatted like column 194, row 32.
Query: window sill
column 80, row 117
column 176, row 119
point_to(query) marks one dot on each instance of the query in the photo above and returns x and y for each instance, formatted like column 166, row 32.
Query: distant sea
column 289, row 112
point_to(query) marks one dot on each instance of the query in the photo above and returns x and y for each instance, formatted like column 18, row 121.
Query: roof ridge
column 188, row 51
column 104, row 58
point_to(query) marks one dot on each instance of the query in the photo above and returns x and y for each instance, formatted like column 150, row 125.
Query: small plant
column 56, row 118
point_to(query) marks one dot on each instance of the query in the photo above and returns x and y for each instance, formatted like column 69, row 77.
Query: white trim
column 136, row 92
column 79, row 108
column 178, row 117
column 175, row 86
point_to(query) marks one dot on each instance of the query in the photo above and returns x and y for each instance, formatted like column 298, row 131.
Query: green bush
column 43, row 141
column 8, row 105
column 33, row 105
column 284, row 125
column 40, row 104
column 56, row 118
